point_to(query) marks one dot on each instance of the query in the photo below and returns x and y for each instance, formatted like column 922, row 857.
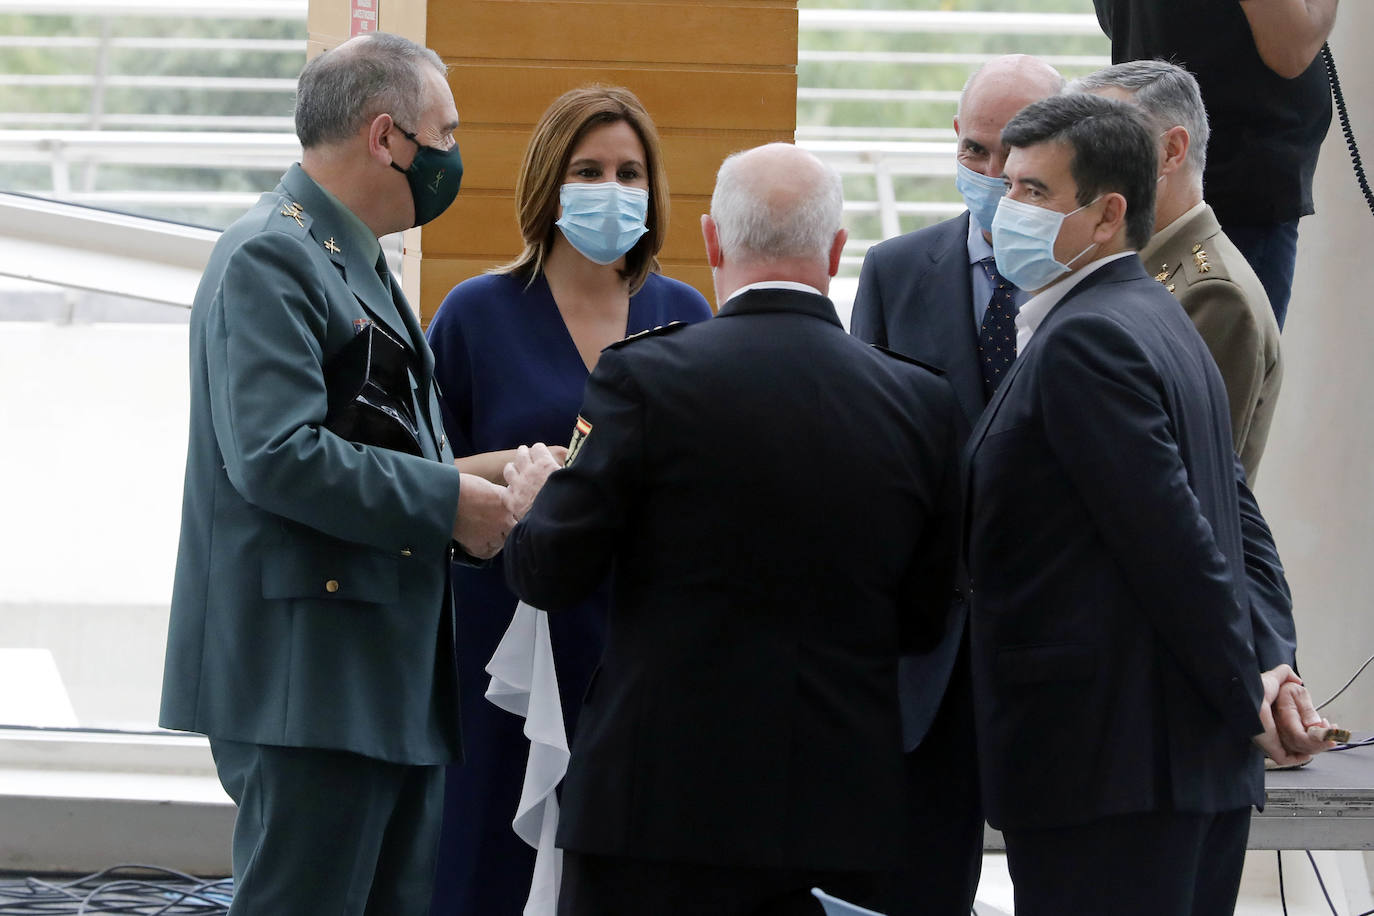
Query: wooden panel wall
column 716, row 75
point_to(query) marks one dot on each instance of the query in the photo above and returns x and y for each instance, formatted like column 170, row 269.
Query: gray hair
column 1167, row 94
column 341, row 90
column 796, row 215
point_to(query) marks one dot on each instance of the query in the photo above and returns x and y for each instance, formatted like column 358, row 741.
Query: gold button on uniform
column 405, row 551
column 332, row 586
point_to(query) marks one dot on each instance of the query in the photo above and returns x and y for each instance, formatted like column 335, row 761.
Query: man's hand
column 1301, row 728
column 1269, row 741
column 525, row 476
column 483, row 521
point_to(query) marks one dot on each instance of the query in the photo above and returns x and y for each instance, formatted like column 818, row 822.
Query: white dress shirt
column 1038, row 306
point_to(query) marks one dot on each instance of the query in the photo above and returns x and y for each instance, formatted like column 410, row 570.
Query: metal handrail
column 76, row 42
column 929, row 58
column 177, row 9
column 118, row 81
column 255, row 150
column 210, row 123
column 886, row 153
column 949, row 22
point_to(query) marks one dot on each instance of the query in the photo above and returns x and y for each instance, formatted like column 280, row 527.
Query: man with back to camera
column 1194, row 258
column 935, row 295
column 740, row 741
column 311, row 633
column 1270, row 105
column 1114, row 662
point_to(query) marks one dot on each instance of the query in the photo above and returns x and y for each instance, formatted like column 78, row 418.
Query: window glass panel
column 181, row 113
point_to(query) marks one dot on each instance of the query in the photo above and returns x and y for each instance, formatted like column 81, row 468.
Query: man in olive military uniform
column 1193, row 258
column 311, row 632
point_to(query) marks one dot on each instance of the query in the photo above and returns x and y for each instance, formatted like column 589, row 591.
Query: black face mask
column 434, row 176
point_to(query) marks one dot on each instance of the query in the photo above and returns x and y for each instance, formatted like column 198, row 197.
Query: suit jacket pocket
column 1046, row 664
column 330, row 570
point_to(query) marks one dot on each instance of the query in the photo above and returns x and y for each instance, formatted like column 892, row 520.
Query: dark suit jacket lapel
column 981, row 428
column 1122, row 269
column 952, row 344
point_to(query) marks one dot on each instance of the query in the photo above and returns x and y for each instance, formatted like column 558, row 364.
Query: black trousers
column 1151, row 864
column 330, row 832
column 942, row 857
column 614, row 886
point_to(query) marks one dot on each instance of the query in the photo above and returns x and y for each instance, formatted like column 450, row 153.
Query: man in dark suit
column 311, row 633
column 1116, row 686
column 934, row 295
column 920, row 294
column 740, row 741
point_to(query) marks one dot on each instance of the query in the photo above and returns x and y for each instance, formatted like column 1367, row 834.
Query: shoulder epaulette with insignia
column 652, row 332
column 1201, row 264
column 289, row 215
column 908, row 359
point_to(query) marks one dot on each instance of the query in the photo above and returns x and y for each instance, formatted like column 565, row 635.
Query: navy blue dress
column 510, row 375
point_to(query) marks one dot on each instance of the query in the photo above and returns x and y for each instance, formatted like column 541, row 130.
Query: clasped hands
column 1293, row 729
column 488, row 511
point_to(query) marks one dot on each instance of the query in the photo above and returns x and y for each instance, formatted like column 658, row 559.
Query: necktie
column 997, row 334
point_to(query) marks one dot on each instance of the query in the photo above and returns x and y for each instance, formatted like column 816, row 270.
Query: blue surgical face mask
column 1023, row 237
column 603, row 220
column 980, row 193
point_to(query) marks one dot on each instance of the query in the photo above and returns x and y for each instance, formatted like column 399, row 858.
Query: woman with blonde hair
column 513, row 349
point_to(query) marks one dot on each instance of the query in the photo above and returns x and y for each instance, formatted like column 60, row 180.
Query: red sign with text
column 364, row 16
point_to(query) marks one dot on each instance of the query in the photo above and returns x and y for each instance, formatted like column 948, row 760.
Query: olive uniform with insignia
column 1226, row 302
column 311, row 601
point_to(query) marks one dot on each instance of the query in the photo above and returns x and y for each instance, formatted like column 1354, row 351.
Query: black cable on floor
column 137, row 890
column 1320, row 883
column 1283, row 899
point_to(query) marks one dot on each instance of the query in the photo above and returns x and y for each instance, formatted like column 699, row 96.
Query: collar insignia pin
column 294, row 210
column 1200, row 258
column 330, row 247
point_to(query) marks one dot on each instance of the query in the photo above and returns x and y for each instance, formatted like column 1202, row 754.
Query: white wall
column 1316, row 485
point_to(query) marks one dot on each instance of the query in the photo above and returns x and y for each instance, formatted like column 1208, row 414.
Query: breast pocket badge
column 581, row 430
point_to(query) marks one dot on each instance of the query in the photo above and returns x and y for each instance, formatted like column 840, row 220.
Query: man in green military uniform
column 312, row 630
column 1194, row 259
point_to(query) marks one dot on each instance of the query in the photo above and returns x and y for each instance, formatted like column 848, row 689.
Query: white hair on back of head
column 795, row 216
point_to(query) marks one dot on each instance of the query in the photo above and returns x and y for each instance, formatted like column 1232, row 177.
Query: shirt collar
column 775, row 284
column 1161, row 238
column 979, row 248
column 356, row 236
column 1030, row 316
